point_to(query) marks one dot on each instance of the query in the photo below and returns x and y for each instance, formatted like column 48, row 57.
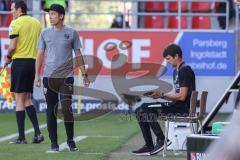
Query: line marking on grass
column 77, row 139
column 2, row 139
column 64, row 145
column 89, row 153
column 100, row 136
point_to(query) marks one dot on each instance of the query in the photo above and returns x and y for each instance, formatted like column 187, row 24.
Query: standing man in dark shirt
column 184, row 84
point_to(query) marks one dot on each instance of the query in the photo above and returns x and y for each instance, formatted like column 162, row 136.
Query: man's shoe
column 159, row 146
column 19, row 141
column 144, row 151
column 38, row 139
column 54, row 148
column 72, row 146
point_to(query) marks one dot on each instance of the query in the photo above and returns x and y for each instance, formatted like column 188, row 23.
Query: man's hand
column 37, row 81
column 8, row 60
column 156, row 94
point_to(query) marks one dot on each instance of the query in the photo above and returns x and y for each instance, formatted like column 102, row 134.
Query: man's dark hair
column 172, row 50
column 22, row 5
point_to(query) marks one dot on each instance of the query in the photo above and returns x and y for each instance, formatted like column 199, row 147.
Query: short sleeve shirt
column 59, row 47
column 27, row 29
column 184, row 77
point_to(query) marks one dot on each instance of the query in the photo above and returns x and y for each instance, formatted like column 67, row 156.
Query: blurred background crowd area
column 134, row 14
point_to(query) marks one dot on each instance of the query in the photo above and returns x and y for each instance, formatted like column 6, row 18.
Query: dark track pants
column 53, row 89
column 147, row 118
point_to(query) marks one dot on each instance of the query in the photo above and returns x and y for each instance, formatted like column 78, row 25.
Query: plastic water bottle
column 175, row 145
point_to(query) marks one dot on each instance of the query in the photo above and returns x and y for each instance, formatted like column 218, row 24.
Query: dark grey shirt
column 59, row 47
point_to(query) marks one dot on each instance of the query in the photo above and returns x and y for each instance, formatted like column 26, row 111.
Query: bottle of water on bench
column 175, row 145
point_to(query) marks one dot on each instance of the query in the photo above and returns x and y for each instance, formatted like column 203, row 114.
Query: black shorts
column 22, row 75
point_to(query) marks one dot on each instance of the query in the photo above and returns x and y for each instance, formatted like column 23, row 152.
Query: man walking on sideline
column 58, row 42
column 24, row 32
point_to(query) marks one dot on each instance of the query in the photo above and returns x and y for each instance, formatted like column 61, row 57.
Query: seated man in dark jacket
column 184, row 84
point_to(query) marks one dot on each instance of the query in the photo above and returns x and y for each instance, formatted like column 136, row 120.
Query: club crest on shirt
column 66, row 36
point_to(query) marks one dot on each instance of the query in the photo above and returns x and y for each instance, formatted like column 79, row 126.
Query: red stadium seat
column 9, row 19
column 216, row 5
column 0, row 21
column 153, row 22
column 201, row 22
column 154, row 6
column 173, row 6
column 200, row 6
column 173, row 22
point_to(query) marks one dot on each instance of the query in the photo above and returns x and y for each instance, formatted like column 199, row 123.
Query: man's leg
column 20, row 114
column 164, row 111
column 153, row 122
column 51, row 112
column 142, row 118
column 66, row 102
column 147, row 118
column 19, row 83
column 150, row 116
column 31, row 113
column 20, row 117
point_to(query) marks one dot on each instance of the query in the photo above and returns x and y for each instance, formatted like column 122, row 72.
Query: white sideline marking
column 88, row 153
column 100, row 136
column 2, row 139
column 64, row 145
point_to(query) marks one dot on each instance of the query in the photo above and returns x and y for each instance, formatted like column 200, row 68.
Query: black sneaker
column 72, row 146
column 38, row 139
column 159, row 146
column 144, row 151
column 19, row 141
column 54, row 148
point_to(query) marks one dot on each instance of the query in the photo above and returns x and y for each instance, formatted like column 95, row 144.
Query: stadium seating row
column 197, row 22
column 173, row 6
